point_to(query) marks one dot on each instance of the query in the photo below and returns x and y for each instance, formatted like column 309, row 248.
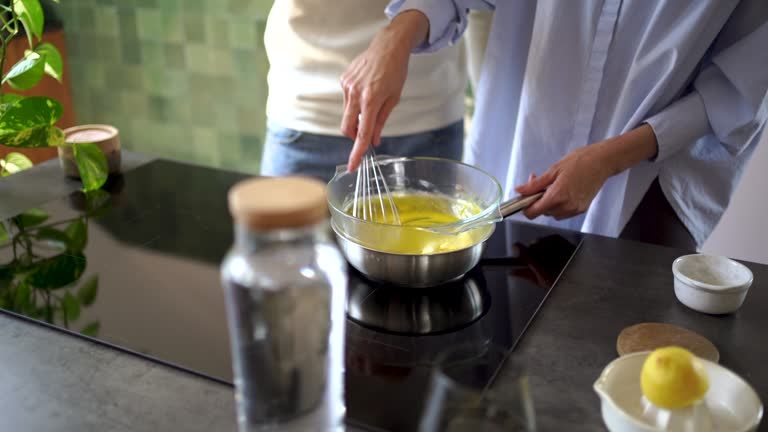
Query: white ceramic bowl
column 711, row 284
column 731, row 403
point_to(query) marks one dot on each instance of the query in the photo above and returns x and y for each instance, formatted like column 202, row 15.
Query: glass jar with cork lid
column 285, row 284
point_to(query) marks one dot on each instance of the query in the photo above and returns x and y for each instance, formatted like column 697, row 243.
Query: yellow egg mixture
column 416, row 212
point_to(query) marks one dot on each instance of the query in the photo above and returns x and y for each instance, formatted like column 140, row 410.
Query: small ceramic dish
column 711, row 284
column 106, row 137
column 730, row 405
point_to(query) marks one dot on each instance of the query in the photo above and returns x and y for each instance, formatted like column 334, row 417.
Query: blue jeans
column 288, row 151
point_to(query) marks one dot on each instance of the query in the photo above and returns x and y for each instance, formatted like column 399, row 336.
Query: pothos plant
column 29, row 122
column 42, row 278
column 42, row 264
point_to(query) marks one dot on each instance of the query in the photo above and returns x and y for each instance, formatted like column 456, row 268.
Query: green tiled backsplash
column 184, row 79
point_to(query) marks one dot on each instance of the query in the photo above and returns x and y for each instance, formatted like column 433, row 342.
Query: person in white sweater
column 309, row 44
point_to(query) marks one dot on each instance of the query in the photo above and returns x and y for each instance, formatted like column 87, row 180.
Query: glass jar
column 285, row 288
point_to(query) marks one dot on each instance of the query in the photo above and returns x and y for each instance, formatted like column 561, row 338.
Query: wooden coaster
column 649, row 336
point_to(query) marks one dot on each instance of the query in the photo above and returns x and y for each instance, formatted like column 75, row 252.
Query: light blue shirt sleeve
column 447, row 19
column 729, row 100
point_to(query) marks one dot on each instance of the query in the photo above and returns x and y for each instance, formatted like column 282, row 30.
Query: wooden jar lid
column 278, row 202
column 650, row 336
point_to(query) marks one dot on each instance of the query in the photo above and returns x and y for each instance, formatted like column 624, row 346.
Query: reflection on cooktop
column 417, row 311
column 136, row 267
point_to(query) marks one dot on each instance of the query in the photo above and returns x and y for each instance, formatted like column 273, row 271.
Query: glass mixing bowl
column 432, row 176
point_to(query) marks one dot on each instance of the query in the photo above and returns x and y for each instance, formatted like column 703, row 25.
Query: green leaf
column 13, row 163
column 30, row 14
column 39, row 136
column 30, row 112
column 54, row 235
column 77, row 234
column 58, row 271
column 6, row 276
column 54, row 65
column 27, row 73
column 7, row 100
column 47, row 313
column 71, row 307
column 97, row 203
column 92, row 329
column 31, row 217
column 30, row 123
column 23, row 297
column 92, row 165
column 4, row 237
column 87, row 293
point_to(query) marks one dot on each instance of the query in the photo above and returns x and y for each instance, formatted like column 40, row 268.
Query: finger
column 364, row 135
column 349, row 121
column 389, row 105
column 346, row 81
column 560, row 212
column 537, row 184
column 355, row 156
column 531, row 177
column 543, row 205
column 565, row 212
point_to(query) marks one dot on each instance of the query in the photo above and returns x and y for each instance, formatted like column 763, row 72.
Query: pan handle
column 517, row 204
column 506, row 208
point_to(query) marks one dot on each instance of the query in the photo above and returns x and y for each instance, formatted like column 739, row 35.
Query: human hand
column 573, row 182
column 374, row 81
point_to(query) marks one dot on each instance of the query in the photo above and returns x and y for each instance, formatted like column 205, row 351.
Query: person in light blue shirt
column 637, row 117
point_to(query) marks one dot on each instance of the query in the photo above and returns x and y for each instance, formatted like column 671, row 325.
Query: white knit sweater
column 311, row 42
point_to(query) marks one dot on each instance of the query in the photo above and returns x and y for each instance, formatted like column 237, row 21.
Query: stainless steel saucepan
column 363, row 243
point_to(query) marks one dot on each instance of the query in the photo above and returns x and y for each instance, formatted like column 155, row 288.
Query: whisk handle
column 517, row 204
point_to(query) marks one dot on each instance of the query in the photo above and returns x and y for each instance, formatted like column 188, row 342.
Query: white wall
column 743, row 230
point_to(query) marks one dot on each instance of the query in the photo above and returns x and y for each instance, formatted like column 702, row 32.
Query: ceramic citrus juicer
column 670, row 389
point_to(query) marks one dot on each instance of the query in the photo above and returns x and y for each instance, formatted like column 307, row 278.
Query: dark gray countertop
column 612, row 284
column 52, row 381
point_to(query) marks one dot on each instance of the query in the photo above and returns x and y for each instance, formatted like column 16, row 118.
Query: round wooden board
column 649, row 336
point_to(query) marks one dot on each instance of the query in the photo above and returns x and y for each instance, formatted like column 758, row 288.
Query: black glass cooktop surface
column 136, row 266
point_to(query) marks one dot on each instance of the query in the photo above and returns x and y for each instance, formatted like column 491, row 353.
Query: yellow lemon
column 673, row 378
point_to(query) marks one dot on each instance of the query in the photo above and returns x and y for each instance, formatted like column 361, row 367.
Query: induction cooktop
column 136, row 266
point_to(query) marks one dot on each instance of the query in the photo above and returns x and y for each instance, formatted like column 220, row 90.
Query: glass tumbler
column 460, row 397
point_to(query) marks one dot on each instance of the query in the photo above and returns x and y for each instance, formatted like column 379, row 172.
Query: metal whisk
column 372, row 200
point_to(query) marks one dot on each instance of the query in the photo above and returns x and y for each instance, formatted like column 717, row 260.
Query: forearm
column 627, row 150
column 446, row 20
column 411, row 26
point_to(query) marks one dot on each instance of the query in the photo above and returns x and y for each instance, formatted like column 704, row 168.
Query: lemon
column 673, row 378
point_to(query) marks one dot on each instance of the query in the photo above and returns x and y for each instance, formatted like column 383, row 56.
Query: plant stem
column 48, row 308
column 15, row 254
column 3, row 48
